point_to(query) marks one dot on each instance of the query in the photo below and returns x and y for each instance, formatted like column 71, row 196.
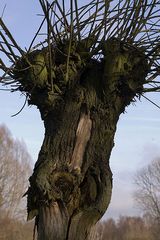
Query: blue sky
column 137, row 140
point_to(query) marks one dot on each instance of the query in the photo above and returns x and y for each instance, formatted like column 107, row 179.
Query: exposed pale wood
column 83, row 134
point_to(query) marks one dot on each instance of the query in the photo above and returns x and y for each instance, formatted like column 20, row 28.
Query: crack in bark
column 80, row 124
column 83, row 134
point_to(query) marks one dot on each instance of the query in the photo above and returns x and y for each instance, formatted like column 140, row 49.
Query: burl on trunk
column 80, row 100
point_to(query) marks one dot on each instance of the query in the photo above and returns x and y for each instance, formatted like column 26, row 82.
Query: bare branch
column 10, row 36
column 133, row 23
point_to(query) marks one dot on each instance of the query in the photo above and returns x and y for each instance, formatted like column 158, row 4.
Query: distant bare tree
column 97, row 57
column 125, row 228
column 109, row 230
column 15, row 168
column 129, row 228
column 147, row 195
column 13, row 229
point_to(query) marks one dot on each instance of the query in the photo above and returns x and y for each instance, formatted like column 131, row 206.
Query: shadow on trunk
column 95, row 61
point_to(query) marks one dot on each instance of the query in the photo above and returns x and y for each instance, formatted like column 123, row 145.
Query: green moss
column 38, row 73
column 100, row 88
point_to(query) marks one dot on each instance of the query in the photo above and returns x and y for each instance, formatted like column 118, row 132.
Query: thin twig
column 77, row 19
column 3, row 10
column 10, row 36
column 70, row 41
column 151, row 101
column 21, row 108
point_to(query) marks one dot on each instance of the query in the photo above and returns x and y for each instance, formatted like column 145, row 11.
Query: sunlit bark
column 95, row 61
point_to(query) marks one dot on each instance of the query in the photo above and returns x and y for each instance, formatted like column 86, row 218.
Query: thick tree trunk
column 72, row 179
column 71, row 186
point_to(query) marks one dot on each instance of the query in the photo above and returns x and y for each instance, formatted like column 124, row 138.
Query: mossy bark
column 72, row 180
column 71, row 185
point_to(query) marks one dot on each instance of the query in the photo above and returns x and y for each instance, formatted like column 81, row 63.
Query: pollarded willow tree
column 95, row 60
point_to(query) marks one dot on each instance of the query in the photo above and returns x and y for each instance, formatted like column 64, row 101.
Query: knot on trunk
column 63, row 184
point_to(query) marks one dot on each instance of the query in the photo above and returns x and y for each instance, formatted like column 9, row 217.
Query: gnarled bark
column 72, row 180
column 97, row 59
column 71, row 185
